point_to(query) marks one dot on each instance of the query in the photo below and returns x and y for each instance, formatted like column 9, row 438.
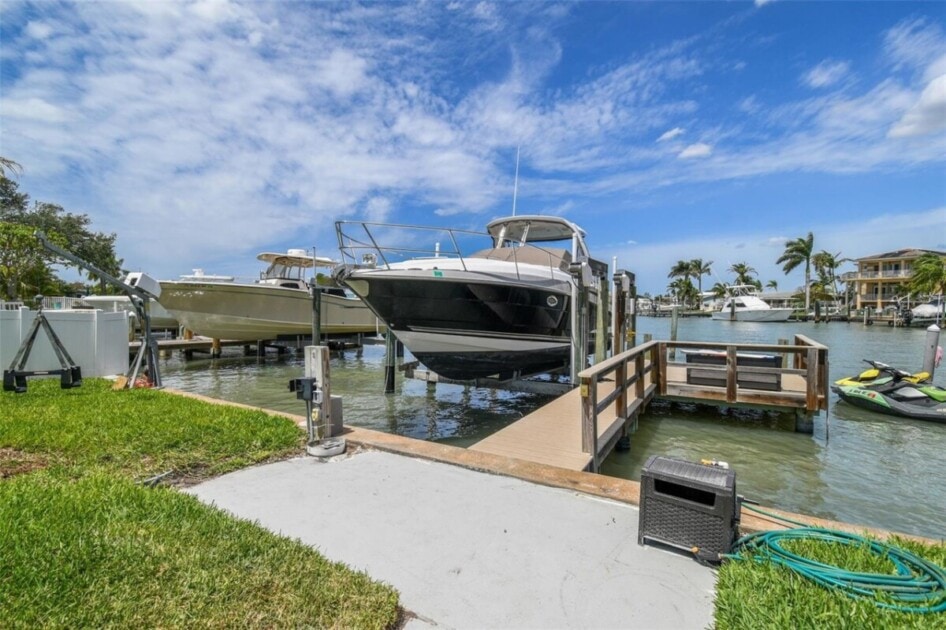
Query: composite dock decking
column 550, row 435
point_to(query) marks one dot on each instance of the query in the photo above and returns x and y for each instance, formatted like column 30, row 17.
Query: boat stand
column 70, row 375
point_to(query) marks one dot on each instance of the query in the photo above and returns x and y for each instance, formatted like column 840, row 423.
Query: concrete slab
column 473, row 550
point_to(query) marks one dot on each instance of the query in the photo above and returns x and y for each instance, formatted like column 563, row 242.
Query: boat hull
column 465, row 325
column 253, row 312
column 767, row 315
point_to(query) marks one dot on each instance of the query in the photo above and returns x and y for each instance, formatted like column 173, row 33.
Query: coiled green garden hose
column 919, row 585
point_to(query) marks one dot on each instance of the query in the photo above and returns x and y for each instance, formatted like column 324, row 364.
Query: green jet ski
column 899, row 395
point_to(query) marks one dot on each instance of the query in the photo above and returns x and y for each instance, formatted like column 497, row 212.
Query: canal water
column 857, row 466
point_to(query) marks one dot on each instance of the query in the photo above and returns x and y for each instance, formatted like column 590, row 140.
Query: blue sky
column 206, row 132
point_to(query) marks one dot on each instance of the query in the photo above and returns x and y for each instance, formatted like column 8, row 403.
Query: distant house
column 881, row 280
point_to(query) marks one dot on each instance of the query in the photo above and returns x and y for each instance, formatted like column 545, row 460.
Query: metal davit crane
column 139, row 288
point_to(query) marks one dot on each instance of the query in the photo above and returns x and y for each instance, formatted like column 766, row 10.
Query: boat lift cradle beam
column 139, row 298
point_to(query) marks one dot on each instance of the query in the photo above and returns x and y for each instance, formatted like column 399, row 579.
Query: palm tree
column 9, row 165
column 929, row 274
column 682, row 289
column 826, row 266
column 680, row 270
column 798, row 251
column 772, row 284
column 698, row 269
column 743, row 273
column 719, row 290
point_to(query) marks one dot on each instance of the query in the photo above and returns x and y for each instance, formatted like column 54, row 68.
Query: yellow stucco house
column 880, row 280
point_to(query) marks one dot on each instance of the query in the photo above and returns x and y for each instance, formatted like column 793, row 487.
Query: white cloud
column 928, row 116
column 914, row 42
column 342, row 72
column 39, row 30
column 697, row 150
column 33, row 109
column 670, row 135
column 826, row 73
column 749, row 105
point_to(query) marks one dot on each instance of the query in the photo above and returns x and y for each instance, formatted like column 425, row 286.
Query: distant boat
column 743, row 305
column 932, row 310
column 160, row 317
column 504, row 310
column 278, row 305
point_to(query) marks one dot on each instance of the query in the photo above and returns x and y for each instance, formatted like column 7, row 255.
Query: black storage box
column 749, row 380
column 689, row 506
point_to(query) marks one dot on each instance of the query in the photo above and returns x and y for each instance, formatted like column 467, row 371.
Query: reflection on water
column 872, row 469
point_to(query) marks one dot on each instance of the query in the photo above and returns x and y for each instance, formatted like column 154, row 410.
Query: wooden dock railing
column 793, row 377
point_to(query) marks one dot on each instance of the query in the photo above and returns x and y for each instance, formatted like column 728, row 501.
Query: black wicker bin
column 689, row 506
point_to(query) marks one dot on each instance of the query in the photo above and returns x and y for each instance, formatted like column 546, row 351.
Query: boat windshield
column 279, row 271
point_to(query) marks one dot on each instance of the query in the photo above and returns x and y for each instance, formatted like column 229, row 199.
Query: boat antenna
column 515, row 187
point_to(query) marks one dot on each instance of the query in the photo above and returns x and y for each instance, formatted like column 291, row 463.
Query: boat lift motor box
column 689, row 506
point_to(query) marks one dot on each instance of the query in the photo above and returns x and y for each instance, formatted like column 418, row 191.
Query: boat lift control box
column 689, row 506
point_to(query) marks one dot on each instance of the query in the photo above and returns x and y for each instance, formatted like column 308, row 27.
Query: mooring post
column 390, row 342
column 316, row 314
column 601, row 321
column 931, row 350
column 215, row 348
column 674, row 317
column 618, row 297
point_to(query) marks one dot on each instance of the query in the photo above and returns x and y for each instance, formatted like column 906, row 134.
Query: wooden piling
column 390, row 343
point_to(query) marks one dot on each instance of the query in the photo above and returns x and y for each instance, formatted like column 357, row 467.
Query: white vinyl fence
column 97, row 341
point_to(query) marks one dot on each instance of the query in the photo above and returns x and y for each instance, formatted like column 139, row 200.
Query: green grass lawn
column 84, row 544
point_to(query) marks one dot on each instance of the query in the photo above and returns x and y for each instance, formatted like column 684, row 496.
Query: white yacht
column 277, row 305
column 742, row 304
column 503, row 310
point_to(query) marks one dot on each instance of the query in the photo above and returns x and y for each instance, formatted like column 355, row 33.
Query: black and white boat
column 502, row 311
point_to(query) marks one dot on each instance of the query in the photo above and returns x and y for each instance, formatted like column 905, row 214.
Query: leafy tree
column 798, row 251
column 69, row 231
column 743, row 273
column 929, row 274
column 24, row 269
column 772, row 284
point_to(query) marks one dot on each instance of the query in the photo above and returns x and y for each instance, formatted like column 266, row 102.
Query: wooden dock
column 207, row 345
column 577, row 430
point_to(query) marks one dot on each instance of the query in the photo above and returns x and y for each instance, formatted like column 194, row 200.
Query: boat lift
column 70, row 374
column 139, row 288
